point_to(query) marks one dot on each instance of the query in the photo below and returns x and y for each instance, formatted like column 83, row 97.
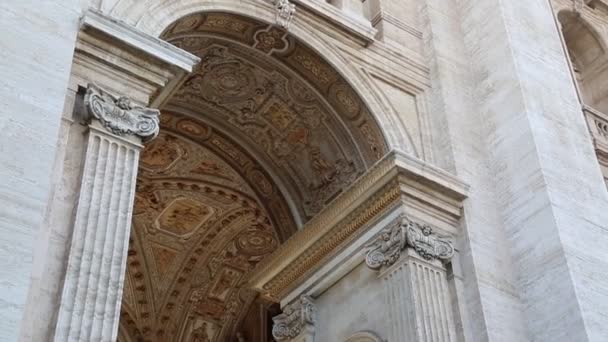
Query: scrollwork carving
column 386, row 248
column 294, row 318
column 119, row 116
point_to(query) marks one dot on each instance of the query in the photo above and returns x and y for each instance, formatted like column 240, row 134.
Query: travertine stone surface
column 145, row 69
column 37, row 44
column 550, row 192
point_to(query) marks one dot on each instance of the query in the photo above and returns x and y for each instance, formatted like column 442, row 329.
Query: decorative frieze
column 119, row 115
column 297, row 318
column 387, row 247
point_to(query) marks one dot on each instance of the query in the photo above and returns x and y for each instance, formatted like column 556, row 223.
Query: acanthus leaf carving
column 386, row 249
column 294, row 318
column 119, row 115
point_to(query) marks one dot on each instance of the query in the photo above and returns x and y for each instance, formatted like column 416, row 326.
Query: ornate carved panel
column 205, row 214
column 282, row 99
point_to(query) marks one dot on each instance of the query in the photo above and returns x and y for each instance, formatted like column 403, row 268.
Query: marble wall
column 37, row 41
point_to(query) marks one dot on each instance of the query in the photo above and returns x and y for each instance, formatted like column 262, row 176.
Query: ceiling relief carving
column 205, row 215
column 263, row 134
column 259, row 83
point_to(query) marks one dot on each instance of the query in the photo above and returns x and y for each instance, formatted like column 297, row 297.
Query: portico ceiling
column 258, row 140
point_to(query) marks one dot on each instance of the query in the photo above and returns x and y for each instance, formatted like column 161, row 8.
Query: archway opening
column 260, row 138
column 589, row 60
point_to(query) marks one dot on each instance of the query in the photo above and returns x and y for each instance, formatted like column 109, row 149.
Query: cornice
column 141, row 41
column 357, row 28
column 395, row 179
column 120, row 58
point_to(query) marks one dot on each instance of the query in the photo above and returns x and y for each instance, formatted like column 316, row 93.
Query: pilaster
column 118, row 75
column 412, row 261
column 92, row 290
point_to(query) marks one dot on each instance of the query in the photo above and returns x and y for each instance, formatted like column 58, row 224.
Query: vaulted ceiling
column 259, row 139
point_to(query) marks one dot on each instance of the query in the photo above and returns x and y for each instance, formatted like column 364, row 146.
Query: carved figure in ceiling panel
column 346, row 100
column 161, row 154
column 183, row 216
column 199, row 330
column 192, row 128
column 224, row 284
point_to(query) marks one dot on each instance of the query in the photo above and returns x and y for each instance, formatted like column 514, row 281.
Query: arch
column 238, row 109
column 364, row 336
column 589, row 59
column 154, row 16
column 582, row 38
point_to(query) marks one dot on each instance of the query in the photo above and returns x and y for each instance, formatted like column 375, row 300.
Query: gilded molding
column 385, row 186
column 326, row 246
column 386, row 249
column 294, row 318
column 119, row 116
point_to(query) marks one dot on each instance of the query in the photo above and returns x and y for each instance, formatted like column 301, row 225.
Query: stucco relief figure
column 119, row 115
column 284, row 12
column 386, row 249
column 200, row 334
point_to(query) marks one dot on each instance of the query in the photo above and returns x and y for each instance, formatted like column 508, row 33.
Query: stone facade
column 304, row 170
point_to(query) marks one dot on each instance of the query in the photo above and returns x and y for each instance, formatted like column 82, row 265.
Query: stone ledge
column 120, row 54
column 360, row 29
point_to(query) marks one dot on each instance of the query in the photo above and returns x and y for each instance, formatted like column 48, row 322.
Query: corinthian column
column 92, row 291
column 412, row 258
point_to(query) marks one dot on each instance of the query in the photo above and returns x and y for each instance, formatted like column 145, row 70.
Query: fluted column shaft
column 411, row 258
column 92, row 290
column 417, row 295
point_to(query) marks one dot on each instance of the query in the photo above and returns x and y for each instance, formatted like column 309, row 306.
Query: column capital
column 119, row 115
column 386, row 248
column 296, row 317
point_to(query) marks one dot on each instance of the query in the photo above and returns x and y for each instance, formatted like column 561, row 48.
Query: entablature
column 397, row 183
